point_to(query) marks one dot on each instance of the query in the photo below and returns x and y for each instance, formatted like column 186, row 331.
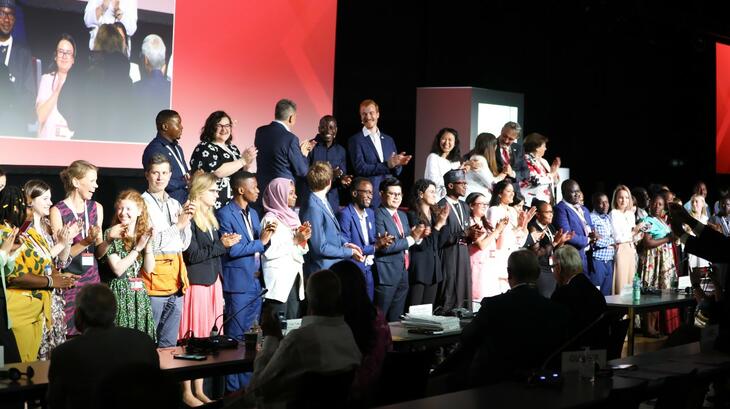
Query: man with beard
column 17, row 85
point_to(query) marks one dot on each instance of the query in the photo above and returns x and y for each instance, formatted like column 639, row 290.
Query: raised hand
column 230, row 239
column 9, row 241
column 307, row 146
column 417, row 232
column 249, row 155
column 345, row 180
column 400, row 159
column 354, row 247
column 443, row 215
column 523, row 218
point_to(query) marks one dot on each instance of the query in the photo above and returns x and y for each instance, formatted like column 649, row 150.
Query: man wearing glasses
column 17, row 85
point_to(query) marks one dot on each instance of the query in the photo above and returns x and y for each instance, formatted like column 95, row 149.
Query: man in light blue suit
column 241, row 265
column 357, row 222
column 373, row 154
column 391, row 262
column 327, row 245
column 570, row 215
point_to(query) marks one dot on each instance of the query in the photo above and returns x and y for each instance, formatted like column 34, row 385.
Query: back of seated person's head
column 109, row 39
column 319, row 176
column 567, row 263
column 324, row 294
column 153, row 52
column 144, row 386
column 357, row 308
column 522, row 267
column 96, row 307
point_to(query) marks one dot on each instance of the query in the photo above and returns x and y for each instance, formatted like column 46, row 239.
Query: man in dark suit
column 280, row 152
column 511, row 156
column 543, row 240
column 17, row 84
column 242, row 265
column 327, row 150
column 571, row 216
column 327, row 245
column 391, row 262
column 584, row 301
column 169, row 130
column 512, row 333
column 456, row 287
column 357, row 222
column 152, row 92
column 373, row 154
column 79, row 365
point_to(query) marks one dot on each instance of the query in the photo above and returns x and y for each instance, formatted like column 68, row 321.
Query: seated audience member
column 324, row 344
column 513, row 332
column 79, row 365
column 445, row 156
column 327, row 245
column 51, row 124
column 368, row 325
column 169, row 131
column 604, row 249
column 483, row 174
column 17, row 79
column 581, row 298
column 152, row 92
column 542, row 176
column 326, row 150
column 282, row 261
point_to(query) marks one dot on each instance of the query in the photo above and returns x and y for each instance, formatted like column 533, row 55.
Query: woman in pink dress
column 482, row 249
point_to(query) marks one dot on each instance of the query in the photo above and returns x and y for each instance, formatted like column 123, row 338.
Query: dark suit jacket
column 390, row 261
column 352, row 232
column 584, row 303
column 18, row 88
column 516, row 160
column 326, row 246
column 279, row 154
column 425, row 258
column 545, row 244
column 365, row 160
column 710, row 245
column 80, row 364
column 239, row 264
column 512, row 333
column 203, row 256
column 565, row 218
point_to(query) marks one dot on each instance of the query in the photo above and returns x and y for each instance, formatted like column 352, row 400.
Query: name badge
column 136, row 284
column 87, row 259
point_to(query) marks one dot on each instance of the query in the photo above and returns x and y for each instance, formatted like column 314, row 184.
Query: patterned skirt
column 69, row 295
column 133, row 307
column 56, row 334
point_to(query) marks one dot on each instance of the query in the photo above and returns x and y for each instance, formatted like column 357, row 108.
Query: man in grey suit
column 391, row 262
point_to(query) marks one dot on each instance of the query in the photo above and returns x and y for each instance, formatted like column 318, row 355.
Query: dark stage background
column 624, row 90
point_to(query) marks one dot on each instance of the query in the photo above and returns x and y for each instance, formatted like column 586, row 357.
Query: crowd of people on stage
column 208, row 235
column 67, row 102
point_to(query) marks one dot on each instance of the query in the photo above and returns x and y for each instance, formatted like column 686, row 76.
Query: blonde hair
column 76, row 170
column 704, row 212
column 141, row 225
column 619, row 188
column 204, row 216
column 319, row 175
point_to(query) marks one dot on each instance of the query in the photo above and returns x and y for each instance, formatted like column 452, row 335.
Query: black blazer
column 425, row 260
column 545, row 248
column 517, row 161
column 584, row 303
column 79, row 365
column 203, row 257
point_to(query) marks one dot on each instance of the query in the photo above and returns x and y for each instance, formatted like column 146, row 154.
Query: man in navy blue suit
column 570, row 215
column 280, row 152
column 241, row 265
column 169, row 131
column 373, row 154
column 327, row 245
column 391, row 262
column 357, row 222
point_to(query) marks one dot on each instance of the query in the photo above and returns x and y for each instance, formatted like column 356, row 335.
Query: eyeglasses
column 481, row 204
column 224, row 126
column 9, row 15
column 365, row 192
column 64, row 53
column 394, row 194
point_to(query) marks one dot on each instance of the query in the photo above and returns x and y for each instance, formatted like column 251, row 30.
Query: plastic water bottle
column 636, row 293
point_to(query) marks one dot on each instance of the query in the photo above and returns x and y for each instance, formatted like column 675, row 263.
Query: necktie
column 3, row 51
column 505, row 155
column 459, row 214
column 398, row 224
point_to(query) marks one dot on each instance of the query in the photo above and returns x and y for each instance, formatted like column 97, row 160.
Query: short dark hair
column 324, row 293
column 566, row 185
column 164, row 116
column 2, row 172
column 356, row 183
column 284, row 109
column 522, row 266
column 455, row 154
column 596, row 197
column 70, row 39
column 497, row 190
column 238, row 178
column 12, row 206
column 207, row 133
column 96, row 307
column 327, row 118
column 533, row 141
column 388, row 182
column 157, row 159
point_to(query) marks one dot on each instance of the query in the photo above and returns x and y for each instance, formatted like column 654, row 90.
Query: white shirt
column 436, row 168
column 322, row 195
column 407, row 235
column 9, row 43
column 363, row 218
column 375, row 137
column 129, row 18
column 623, row 224
column 282, row 124
column 168, row 239
column 481, row 180
column 458, row 210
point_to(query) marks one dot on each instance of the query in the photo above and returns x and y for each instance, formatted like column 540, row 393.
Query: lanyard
column 247, row 222
column 85, row 230
column 180, row 163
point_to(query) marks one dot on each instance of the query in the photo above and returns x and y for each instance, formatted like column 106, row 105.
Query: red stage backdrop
column 722, row 84
column 240, row 56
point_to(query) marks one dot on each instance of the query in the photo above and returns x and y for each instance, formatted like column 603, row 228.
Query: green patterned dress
column 133, row 306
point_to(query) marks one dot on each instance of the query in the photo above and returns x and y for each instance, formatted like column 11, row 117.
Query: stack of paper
column 431, row 322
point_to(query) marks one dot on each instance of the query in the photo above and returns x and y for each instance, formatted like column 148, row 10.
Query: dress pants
column 369, row 283
column 167, row 311
column 391, row 299
column 420, row 293
column 290, row 308
column 238, row 325
column 602, row 275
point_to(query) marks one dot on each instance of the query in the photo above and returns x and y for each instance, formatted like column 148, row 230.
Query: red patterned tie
column 505, row 155
column 396, row 219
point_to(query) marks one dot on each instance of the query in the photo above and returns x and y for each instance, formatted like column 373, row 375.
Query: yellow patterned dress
column 27, row 309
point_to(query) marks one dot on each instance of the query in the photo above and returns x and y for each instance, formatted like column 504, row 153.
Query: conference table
column 224, row 362
column 648, row 302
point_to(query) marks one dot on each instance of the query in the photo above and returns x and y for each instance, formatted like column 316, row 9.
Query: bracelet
column 50, row 281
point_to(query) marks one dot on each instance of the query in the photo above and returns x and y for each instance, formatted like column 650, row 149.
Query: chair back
column 404, row 377
column 323, row 391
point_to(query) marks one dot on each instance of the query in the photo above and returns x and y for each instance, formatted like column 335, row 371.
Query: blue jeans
column 602, row 275
column 166, row 311
column 238, row 325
